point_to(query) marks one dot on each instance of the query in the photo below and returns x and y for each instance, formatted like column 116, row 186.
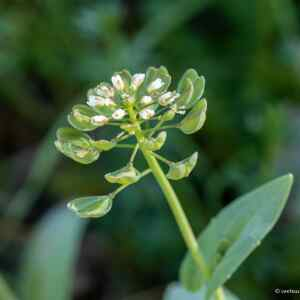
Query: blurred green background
column 51, row 52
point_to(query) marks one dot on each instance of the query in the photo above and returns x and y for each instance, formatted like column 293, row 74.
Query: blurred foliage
column 52, row 51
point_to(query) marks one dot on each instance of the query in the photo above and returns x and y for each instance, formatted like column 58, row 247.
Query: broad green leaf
column 176, row 292
column 5, row 291
column 235, row 232
column 195, row 119
column 48, row 264
column 91, row 207
column 183, row 168
column 126, row 175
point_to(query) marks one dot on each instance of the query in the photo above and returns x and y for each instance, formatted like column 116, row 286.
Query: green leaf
column 176, row 292
column 236, row 231
column 48, row 264
column 5, row 291
column 195, row 119
column 80, row 117
column 126, row 175
column 91, row 207
column 155, row 144
column 183, row 168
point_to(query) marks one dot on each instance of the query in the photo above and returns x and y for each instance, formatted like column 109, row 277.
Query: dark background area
column 52, row 52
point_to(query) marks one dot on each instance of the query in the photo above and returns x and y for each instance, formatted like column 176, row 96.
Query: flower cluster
column 140, row 105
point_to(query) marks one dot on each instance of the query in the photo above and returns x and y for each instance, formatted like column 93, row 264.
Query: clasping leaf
column 236, row 231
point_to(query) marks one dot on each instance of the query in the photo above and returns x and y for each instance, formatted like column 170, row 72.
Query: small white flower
column 155, row 85
column 146, row 100
column 119, row 114
column 99, row 101
column 137, row 80
column 118, row 82
column 167, row 98
column 104, row 91
column 99, row 120
column 147, row 113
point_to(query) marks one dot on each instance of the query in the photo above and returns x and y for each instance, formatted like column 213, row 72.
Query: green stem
column 134, row 152
column 166, row 161
column 180, row 217
column 175, row 206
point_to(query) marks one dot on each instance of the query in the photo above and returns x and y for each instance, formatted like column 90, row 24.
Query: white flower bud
column 119, row 114
column 99, row 101
column 147, row 113
column 105, row 91
column 146, row 100
column 118, row 82
column 99, row 120
column 167, row 98
column 137, row 80
column 155, row 85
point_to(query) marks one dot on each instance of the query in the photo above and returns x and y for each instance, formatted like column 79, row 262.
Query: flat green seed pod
column 77, row 153
column 182, row 168
column 190, row 74
column 80, row 117
column 124, row 176
column 91, row 207
column 104, row 145
column 186, row 94
column 155, row 144
column 199, row 86
column 195, row 119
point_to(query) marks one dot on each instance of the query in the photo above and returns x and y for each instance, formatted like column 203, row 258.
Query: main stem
column 176, row 208
column 180, row 217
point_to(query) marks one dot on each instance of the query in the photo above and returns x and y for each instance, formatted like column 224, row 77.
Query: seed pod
column 195, row 119
column 81, row 117
column 91, row 207
column 126, row 175
column 198, row 83
column 76, row 145
column 156, row 82
column 169, row 115
column 104, row 145
column 186, row 93
column 199, row 86
column 154, row 144
column 182, row 168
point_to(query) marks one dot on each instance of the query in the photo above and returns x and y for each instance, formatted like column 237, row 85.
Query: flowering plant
column 143, row 108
